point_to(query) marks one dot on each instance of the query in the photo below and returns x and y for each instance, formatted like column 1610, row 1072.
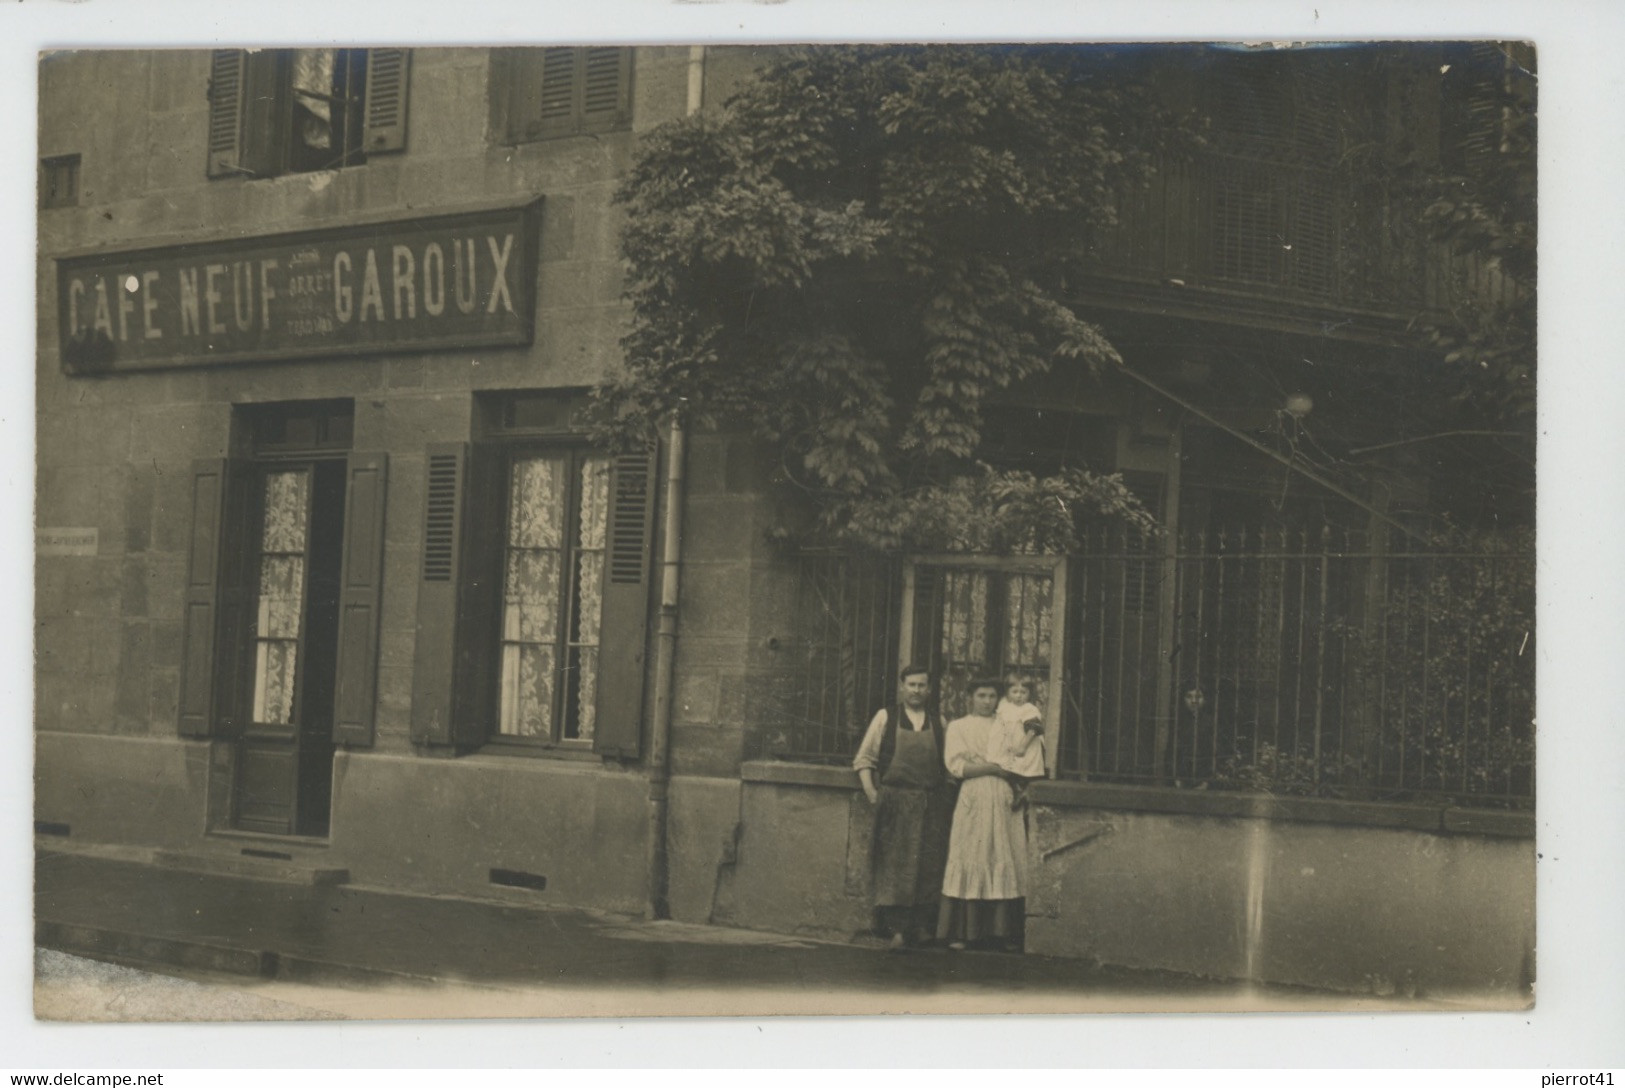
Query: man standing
column 900, row 765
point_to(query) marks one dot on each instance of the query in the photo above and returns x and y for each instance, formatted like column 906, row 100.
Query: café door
column 284, row 759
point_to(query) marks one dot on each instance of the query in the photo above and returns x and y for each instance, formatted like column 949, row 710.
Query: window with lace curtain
column 534, row 594
column 552, row 601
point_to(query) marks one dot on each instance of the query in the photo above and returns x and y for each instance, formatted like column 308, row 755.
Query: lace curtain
column 281, row 594
column 541, row 604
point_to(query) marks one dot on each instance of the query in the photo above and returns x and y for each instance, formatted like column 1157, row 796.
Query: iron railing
column 838, row 664
column 1296, row 663
column 1303, row 663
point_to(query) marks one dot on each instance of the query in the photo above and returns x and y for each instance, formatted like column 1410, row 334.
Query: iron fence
column 838, row 664
column 1303, row 664
column 1295, row 663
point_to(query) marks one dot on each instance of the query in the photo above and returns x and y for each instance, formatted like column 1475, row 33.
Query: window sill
column 267, row 838
column 505, row 749
column 1439, row 819
column 514, row 143
column 773, row 772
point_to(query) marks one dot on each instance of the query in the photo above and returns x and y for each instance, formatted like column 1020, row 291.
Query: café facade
column 329, row 575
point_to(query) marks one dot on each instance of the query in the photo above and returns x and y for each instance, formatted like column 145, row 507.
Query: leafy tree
column 858, row 252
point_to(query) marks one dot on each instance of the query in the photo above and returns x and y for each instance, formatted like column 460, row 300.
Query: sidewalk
column 503, row 960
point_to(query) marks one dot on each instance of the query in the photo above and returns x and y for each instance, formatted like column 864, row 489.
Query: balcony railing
column 1279, row 229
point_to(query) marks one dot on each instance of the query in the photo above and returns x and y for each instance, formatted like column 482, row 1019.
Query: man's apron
column 912, row 818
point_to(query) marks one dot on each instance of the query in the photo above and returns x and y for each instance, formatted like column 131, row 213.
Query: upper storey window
column 59, row 181
column 288, row 111
column 539, row 93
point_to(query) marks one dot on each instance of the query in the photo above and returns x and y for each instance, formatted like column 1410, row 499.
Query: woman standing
column 985, row 884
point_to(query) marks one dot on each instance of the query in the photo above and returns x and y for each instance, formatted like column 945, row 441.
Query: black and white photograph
column 798, row 529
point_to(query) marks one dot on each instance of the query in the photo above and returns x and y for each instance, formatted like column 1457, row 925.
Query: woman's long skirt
column 985, row 882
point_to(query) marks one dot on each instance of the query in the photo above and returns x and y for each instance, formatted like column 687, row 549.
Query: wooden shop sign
column 427, row 283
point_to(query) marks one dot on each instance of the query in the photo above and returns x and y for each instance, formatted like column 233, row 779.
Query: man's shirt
column 868, row 757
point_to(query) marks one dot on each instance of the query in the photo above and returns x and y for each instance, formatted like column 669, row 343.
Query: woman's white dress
column 987, row 849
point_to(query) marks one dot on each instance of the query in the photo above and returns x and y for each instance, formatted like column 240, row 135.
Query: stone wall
column 1372, row 899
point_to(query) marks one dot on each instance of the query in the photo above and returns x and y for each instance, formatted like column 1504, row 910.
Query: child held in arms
column 1016, row 743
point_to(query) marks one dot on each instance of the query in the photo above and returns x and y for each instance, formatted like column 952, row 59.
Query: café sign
column 427, row 283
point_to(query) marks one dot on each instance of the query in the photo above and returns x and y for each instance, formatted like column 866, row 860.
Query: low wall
column 124, row 790
column 801, row 859
column 1360, row 898
column 702, row 826
column 442, row 825
column 399, row 821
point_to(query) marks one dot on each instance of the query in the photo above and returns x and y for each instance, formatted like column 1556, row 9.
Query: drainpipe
column 665, row 654
column 659, row 905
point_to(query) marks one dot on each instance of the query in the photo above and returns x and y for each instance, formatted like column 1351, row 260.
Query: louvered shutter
column 226, row 73
column 1313, row 203
column 624, row 638
column 434, row 660
column 360, row 586
column 1482, row 125
column 1319, row 104
column 606, row 84
column 217, row 608
column 239, row 598
column 479, row 593
column 556, row 103
column 1312, row 260
column 386, row 100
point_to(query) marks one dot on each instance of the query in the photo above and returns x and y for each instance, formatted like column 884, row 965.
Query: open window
column 285, row 111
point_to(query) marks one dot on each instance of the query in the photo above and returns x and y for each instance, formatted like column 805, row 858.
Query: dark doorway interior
column 285, row 758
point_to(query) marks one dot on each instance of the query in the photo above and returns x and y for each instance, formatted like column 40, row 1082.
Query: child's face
column 1018, row 693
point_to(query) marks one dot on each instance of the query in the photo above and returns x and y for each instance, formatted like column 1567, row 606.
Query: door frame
column 1052, row 565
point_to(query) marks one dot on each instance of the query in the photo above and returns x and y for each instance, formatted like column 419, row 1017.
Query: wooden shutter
column 624, row 638
column 386, row 100
column 202, row 611
column 560, row 91
column 434, row 671
column 479, row 594
column 606, row 86
column 506, row 92
column 217, row 611
column 360, row 585
column 556, row 104
column 226, row 96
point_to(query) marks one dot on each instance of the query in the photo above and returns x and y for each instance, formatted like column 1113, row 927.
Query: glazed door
column 285, row 750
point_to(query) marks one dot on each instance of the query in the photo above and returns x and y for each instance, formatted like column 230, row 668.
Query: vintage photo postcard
column 728, row 530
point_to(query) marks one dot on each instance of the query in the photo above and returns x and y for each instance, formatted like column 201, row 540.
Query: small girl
column 1016, row 741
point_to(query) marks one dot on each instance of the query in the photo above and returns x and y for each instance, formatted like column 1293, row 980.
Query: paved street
column 357, row 952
